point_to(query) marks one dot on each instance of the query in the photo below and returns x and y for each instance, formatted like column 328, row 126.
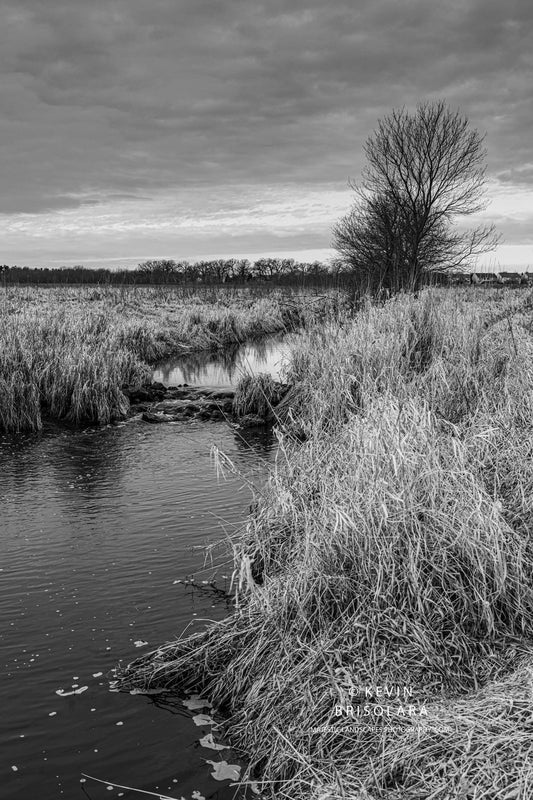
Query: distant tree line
column 168, row 271
column 224, row 270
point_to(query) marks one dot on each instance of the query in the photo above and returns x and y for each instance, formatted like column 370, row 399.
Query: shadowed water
column 97, row 525
column 213, row 369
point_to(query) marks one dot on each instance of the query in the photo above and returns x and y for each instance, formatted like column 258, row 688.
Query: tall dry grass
column 391, row 548
column 258, row 395
column 66, row 352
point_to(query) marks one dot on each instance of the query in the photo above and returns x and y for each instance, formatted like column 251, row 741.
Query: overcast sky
column 187, row 128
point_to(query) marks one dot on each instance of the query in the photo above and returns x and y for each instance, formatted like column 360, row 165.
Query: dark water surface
column 213, row 369
column 96, row 527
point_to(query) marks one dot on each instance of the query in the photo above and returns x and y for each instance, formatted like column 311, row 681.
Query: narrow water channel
column 97, row 526
column 223, row 370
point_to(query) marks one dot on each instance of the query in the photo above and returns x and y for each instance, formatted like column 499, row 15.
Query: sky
column 186, row 129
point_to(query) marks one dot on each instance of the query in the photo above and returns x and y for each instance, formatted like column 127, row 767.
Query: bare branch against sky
column 185, row 128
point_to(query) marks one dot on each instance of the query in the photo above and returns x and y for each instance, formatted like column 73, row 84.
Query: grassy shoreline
column 391, row 548
column 65, row 353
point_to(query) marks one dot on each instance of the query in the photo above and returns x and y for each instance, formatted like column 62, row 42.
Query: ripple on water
column 98, row 527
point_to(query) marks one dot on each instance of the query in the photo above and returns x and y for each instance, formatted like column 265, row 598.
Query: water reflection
column 258, row 440
column 97, row 527
column 225, row 369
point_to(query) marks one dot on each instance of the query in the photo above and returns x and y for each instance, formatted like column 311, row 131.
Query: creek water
column 224, row 370
column 97, row 525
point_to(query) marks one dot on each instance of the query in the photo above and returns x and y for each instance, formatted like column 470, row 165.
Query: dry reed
column 392, row 548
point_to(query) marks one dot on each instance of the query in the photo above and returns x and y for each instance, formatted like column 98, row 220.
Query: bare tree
column 424, row 170
column 159, row 266
column 371, row 242
column 242, row 269
column 267, row 267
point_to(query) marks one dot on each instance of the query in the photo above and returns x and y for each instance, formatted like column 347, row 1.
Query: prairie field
column 66, row 352
column 381, row 643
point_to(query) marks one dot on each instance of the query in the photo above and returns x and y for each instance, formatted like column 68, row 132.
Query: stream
column 225, row 369
column 97, row 526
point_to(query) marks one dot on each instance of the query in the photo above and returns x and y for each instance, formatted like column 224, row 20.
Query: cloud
column 101, row 100
column 179, row 226
column 521, row 175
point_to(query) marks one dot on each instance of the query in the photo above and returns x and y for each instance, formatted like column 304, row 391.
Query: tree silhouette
column 424, row 170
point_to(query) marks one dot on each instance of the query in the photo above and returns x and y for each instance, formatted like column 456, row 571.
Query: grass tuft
column 257, row 394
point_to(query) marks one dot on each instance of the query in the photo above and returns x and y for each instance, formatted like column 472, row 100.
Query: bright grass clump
column 257, row 394
column 381, row 644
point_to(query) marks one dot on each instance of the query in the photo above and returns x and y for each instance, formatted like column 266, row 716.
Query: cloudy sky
column 188, row 128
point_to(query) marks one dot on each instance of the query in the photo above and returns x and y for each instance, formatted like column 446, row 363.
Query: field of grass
column 390, row 548
column 66, row 352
